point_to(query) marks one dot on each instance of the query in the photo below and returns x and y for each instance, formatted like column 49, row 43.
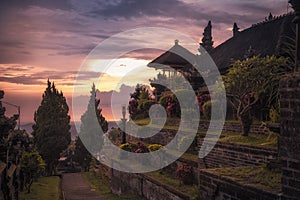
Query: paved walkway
column 76, row 187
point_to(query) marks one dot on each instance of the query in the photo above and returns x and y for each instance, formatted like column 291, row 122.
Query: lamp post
column 19, row 112
column 124, row 124
column 296, row 6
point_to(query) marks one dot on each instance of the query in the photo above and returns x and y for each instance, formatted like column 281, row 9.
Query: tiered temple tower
column 207, row 42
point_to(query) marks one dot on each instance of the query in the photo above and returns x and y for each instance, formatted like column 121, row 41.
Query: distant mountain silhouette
column 28, row 128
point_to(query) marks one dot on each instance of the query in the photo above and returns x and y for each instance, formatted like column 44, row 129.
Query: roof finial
column 235, row 29
column 176, row 42
column 270, row 17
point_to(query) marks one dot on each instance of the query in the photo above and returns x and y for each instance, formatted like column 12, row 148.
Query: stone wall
column 236, row 127
column 218, row 188
column 229, row 126
column 142, row 185
column 289, row 142
column 233, row 155
column 163, row 137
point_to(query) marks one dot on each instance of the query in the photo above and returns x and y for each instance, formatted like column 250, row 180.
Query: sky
column 50, row 39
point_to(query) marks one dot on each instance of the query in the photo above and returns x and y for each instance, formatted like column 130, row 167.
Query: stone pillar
column 296, row 6
column 289, row 141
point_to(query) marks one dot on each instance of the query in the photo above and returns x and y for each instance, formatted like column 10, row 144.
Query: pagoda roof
column 176, row 57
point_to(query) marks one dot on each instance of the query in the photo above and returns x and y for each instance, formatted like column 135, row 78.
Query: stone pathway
column 75, row 187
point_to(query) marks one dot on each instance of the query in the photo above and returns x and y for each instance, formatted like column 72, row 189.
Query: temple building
column 270, row 37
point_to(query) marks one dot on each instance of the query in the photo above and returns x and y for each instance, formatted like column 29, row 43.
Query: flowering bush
column 171, row 104
column 202, row 99
column 133, row 108
column 185, row 174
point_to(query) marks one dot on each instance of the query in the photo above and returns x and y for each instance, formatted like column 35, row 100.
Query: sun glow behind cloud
column 118, row 67
column 111, row 74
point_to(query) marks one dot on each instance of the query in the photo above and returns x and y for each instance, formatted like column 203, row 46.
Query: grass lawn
column 190, row 190
column 259, row 140
column 46, row 188
column 258, row 177
column 146, row 121
column 103, row 187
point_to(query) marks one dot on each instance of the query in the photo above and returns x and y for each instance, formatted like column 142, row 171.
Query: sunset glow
column 51, row 39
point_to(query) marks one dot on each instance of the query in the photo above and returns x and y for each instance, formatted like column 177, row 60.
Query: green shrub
column 113, row 134
column 207, row 110
column 274, row 115
column 143, row 108
column 154, row 147
column 126, row 146
column 219, row 113
column 145, row 105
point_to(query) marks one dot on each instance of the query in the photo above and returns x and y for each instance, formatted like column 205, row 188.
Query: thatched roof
column 266, row 38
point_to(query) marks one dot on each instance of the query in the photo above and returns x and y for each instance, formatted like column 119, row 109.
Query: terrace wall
column 165, row 136
column 233, row 155
column 142, row 185
column 218, row 188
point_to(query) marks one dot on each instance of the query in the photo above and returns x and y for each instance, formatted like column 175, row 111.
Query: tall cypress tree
column 51, row 130
column 90, row 133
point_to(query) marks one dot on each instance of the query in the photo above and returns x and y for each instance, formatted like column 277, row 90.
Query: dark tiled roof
column 267, row 38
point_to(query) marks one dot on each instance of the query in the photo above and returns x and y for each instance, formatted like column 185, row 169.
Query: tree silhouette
column 52, row 124
column 90, row 133
column 140, row 102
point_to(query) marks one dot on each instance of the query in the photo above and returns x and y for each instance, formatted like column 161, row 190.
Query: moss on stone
column 259, row 140
column 175, row 184
column 257, row 177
